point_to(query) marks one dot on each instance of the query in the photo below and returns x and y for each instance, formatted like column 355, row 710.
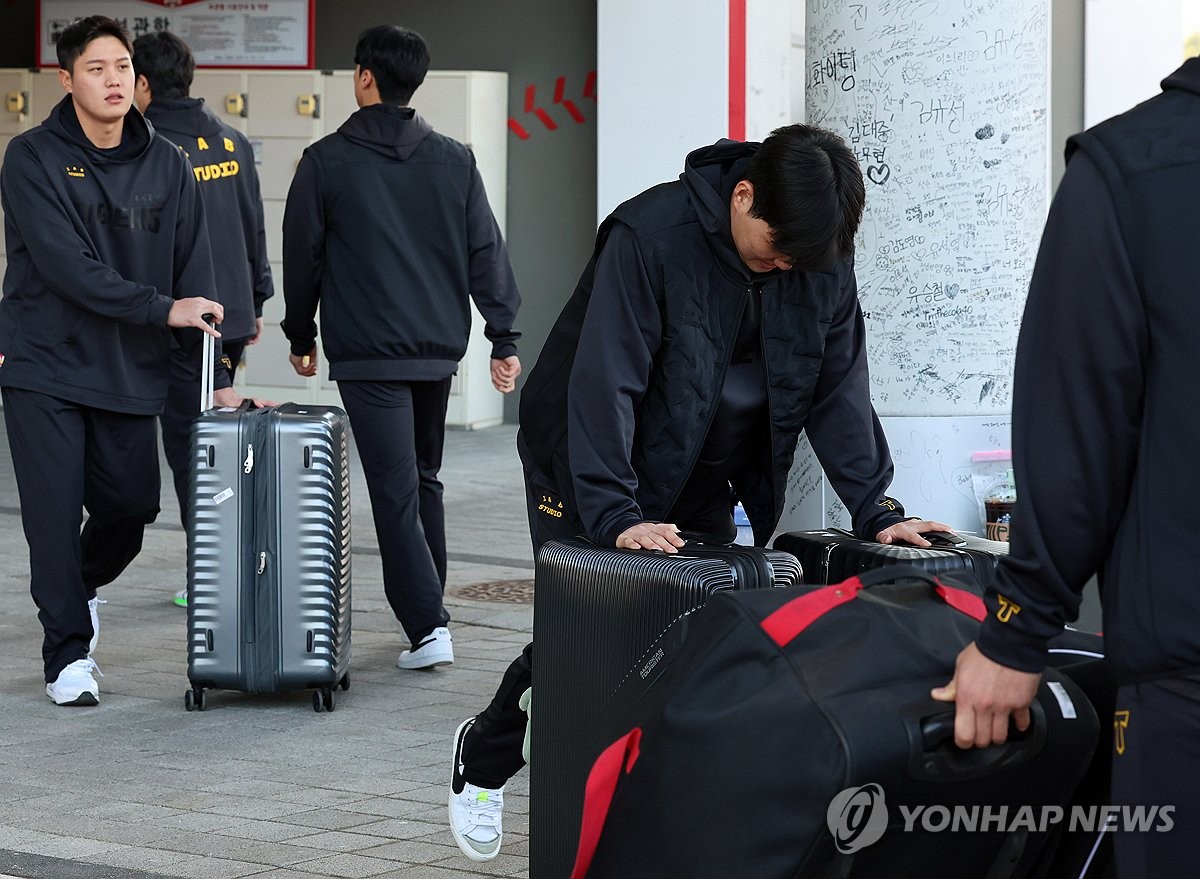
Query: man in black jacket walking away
column 388, row 229
column 1105, row 433
column 223, row 163
column 717, row 319
column 107, row 248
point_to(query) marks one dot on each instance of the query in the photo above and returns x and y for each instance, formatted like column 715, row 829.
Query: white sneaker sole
column 84, row 699
column 426, row 660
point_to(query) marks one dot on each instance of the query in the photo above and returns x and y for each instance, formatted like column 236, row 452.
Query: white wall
column 1129, row 47
column 663, row 79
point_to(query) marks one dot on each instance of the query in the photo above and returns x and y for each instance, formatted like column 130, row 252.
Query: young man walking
column 107, row 248
column 388, row 230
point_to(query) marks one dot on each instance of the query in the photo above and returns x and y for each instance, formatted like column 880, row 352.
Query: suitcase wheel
column 195, row 699
column 323, row 699
column 345, row 684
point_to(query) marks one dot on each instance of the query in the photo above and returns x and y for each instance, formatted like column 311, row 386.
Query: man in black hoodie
column 388, row 228
column 1105, row 433
column 107, row 248
column 223, row 162
column 717, row 319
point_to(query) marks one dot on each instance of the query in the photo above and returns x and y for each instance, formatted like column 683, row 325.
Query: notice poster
column 221, row 33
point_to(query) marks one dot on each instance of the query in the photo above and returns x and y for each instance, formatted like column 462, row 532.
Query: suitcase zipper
column 248, row 467
column 262, row 563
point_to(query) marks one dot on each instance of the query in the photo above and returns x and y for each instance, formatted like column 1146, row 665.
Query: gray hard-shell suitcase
column 269, row 552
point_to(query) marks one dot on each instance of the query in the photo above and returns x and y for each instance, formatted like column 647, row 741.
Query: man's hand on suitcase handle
column 909, row 531
column 986, row 694
column 228, row 398
column 662, row 536
column 194, row 312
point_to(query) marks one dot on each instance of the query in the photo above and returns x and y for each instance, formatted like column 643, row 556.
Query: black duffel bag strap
column 788, row 621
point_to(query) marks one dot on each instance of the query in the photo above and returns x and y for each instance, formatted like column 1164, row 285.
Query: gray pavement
column 263, row 786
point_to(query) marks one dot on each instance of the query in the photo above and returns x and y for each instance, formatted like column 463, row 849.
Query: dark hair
column 808, row 188
column 76, row 36
column 397, row 57
column 166, row 62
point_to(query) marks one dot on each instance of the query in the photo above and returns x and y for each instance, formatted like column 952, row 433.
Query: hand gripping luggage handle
column 207, row 364
column 933, row 755
column 615, row 760
column 788, row 621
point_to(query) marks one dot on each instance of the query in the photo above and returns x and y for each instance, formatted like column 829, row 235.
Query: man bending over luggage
column 717, row 319
column 107, row 248
column 1105, row 432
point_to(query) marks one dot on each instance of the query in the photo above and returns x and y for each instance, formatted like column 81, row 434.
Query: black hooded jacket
column 1106, row 424
column 630, row 380
column 100, row 242
column 388, row 228
column 223, row 162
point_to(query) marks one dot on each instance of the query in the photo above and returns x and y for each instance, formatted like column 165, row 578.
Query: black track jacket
column 388, row 227
column 632, row 373
column 1106, row 426
column 223, row 162
column 99, row 244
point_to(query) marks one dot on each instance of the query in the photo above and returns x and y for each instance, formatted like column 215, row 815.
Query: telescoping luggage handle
column 207, row 363
column 789, row 621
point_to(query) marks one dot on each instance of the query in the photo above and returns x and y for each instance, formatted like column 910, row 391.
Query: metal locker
column 285, row 104
column 339, row 101
column 45, row 91
column 225, row 94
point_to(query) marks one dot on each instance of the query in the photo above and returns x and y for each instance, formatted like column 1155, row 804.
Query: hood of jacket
column 136, row 136
column 394, row 132
column 1186, row 77
column 186, row 116
column 709, row 175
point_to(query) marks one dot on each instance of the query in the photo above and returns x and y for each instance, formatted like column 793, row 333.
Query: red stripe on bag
column 601, row 786
column 961, row 600
column 799, row 613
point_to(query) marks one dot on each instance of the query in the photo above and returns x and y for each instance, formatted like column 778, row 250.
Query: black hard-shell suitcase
column 599, row 615
column 269, row 552
column 791, row 735
column 833, row 555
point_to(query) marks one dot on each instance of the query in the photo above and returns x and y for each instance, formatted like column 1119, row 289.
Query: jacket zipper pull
column 262, row 563
column 248, row 467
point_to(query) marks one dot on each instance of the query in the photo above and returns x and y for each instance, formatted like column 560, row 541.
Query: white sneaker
column 436, row 648
column 75, row 684
column 475, row 812
column 94, row 613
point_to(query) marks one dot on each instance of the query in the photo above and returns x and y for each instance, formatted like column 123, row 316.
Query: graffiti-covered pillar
column 945, row 102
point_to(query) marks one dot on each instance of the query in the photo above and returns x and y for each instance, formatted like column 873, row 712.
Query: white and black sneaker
column 75, row 684
column 476, row 812
column 436, row 648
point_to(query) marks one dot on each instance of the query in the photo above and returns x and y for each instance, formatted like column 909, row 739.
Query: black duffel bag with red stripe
column 791, row 734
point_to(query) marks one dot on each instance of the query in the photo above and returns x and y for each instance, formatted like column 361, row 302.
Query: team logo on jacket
column 1120, row 722
column 1007, row 610
column 75, row 171
column 857, row 817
